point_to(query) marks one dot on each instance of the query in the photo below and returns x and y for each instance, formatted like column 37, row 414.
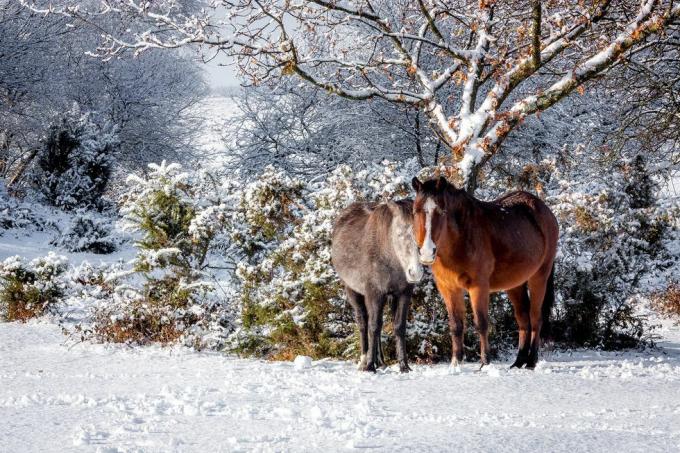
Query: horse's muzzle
column 427, row 262
column 414, row 276
column 427, row 257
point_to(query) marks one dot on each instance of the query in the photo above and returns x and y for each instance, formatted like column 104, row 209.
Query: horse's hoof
column 362, row 362
column 369, row 367
column 455, row 369
column 404, row 368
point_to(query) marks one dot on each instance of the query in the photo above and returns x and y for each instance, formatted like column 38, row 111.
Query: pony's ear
column 417, row 185
column 441, row 183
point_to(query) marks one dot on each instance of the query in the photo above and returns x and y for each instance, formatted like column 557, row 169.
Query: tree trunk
column 471, row 183
column 22, row 167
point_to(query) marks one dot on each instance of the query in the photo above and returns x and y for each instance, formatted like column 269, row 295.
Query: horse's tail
column 548, row 302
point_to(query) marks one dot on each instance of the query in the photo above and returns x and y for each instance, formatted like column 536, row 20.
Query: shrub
column 29, row 290
column 15, row 214
column 88, row 233
column 667, row 301
column 604, row 259
column 74, row 164
column 612, row 239
column 165, row 296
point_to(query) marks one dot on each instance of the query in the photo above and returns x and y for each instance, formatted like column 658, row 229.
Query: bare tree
column 306, row 131
column 44, row 70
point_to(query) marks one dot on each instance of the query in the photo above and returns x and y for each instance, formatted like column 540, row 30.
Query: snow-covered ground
column 59, row 396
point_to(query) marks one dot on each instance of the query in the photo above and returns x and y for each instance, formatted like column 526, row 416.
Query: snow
column 57, row 395
column 302, row 362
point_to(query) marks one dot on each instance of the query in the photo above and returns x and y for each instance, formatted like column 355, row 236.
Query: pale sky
column 220, row 76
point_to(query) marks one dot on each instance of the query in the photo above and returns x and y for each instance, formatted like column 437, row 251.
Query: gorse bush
column 612, row 238
column 74, row 165
column 31, row 289
column 667, row 301
column 164, row 296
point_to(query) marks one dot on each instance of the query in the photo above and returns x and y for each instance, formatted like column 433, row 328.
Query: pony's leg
column 374, row 306
column 455, row 308
column 358, row 304
column 537, row 286
column 479, row 297
column 520, row 304
column 380, row 362
column 400, row 313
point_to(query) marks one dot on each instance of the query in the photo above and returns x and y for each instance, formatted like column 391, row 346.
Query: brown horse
column 481, row 247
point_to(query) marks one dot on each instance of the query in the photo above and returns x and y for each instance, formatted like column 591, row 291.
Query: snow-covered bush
column 31, row 289
column 14, row 213
column 75, row 162
column 245, row 265
column 291, row 299
column 165, row 296
column 611, row 245
column 88, row 233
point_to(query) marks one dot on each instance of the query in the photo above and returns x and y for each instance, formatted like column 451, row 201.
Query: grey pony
column 376, row 257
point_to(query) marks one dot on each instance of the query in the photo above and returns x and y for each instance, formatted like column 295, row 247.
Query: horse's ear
column 417, row 185
column 441, row 183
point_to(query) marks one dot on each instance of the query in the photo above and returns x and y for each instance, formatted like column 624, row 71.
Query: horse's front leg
column 374, row 306
column 380, row 361
column 455, row 308
column 479, row 297
column 358, row 304
column 400, row 315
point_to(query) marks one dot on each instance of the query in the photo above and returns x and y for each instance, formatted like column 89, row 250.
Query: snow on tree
column 305, row 131
column 477, row 69
column 45, row 69
column 74, row 165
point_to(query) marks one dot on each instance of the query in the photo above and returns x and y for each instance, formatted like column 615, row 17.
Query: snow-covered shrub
column 612, row 240
column 165, row 296
column 291, row 299
column 88, row 233
column 14, row 213
column 31, row 289
column 75, row 162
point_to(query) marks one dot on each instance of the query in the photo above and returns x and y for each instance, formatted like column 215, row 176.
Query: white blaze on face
column 428, row 250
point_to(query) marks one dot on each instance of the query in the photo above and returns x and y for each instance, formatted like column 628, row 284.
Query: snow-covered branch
column 438, row 56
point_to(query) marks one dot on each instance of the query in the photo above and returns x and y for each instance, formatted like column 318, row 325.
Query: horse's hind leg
column 520, row 304
column 358, row 304
column 537, row 286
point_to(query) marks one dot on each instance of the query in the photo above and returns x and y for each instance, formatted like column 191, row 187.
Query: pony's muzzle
column 427, row 256
column 414, row 275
